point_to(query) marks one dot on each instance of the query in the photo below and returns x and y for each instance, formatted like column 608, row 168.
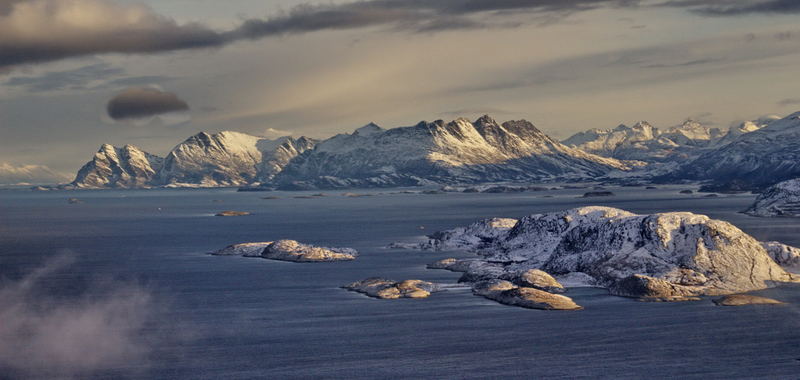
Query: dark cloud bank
column 144, row 102
column 150, row 32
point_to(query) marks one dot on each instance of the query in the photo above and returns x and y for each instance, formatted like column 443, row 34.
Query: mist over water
column 102, row 327
column 87, row 315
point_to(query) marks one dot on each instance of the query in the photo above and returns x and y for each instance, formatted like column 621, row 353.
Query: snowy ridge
column 439, row 152
column 782, row 199
column 755, row 160
column 603, row 246
column 643, row 142
column 204, row 160
column 113, row 167
column 229, row 159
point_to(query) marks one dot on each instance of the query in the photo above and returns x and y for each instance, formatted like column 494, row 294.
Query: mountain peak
column 485, row 120
column 107, row 148
column 368, row 130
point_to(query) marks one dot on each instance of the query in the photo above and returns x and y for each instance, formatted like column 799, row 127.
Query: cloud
column 789, row 102
column 67, row 79
column 94, row 76
column 46, row 336
column 139, row 103
column 275, row 133
column 34, row 31
column 668, row 62
column 477, row 111
column 737, row 7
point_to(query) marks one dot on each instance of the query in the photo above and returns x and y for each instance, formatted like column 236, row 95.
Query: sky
column 75, row 74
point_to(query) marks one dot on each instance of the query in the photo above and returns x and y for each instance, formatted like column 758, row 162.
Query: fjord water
column 237, row 318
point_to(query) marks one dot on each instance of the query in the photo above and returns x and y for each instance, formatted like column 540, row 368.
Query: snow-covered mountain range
column 427, row 153
column 750, row 161
column 28, row 174
column 203, row 160
column 440, row 152
column 754, row 154
column 644, row 142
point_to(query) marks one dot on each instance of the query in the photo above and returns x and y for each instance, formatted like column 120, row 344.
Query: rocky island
column 666, row 257
column 387, row 289
column 507, row 293
column 745, row 299
column 232, row 213
column 288, row 250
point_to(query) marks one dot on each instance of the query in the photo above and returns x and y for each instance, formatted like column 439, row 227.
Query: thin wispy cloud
column 737, row 7
column 789, row 102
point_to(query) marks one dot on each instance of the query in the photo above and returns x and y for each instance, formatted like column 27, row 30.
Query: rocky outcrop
column 291, row 250
column 664, row 255
column 509, row 294
column 594, row 194
column 474, row 236
column 652, row 289
column 288, row 250
column 442, row 153
column 387, row 289
column 232, row 213
column 538, row 279
column 745, row 299
column 782, row 199
column 785, row 255
column 124, row 168
column 243, row 249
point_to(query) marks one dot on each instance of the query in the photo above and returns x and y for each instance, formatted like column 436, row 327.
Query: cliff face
column 112, row 167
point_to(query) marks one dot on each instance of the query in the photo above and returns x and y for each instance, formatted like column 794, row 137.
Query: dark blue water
column 239, row 318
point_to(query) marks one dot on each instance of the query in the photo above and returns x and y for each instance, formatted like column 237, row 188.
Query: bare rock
column 538, row 279
column 593, row 194
column 232, row 213
column 745, row 299
column 507, row 293
column 388, row 289
column 243, row 249
column 648, row 288
column 291, row 250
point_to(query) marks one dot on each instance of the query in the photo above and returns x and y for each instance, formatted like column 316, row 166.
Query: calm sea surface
column 241, row 318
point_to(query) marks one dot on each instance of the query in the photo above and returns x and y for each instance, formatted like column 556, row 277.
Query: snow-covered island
column 667, row 256
column 288, row 250
column 782, row 199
